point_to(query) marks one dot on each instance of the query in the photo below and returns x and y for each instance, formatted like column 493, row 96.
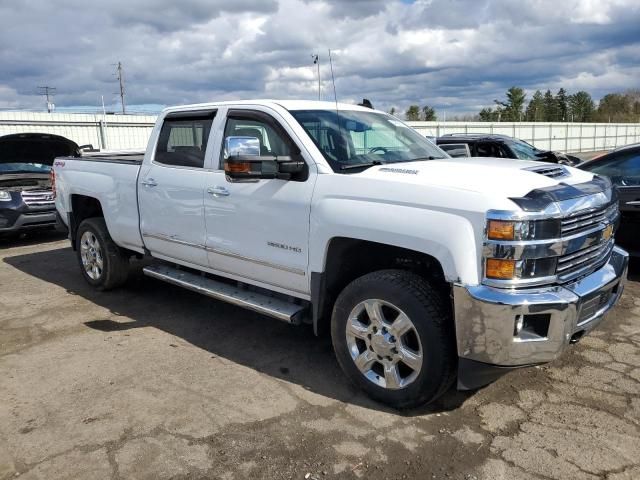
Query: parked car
column 622, row 166
column 349, row 220
column 26, row 197
column 499, row 146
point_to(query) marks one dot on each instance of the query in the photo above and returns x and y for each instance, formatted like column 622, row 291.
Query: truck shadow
column 32, row 237
column 289, row 353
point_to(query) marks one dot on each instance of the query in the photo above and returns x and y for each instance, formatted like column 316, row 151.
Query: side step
column 258, row 302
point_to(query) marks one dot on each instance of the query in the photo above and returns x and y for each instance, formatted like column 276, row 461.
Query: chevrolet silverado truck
column 26, row 197
column 422, row 268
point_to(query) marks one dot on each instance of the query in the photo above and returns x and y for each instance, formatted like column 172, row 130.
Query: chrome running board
column 258, row 302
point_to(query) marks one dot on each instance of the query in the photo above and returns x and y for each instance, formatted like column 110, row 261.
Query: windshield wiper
column 422, row 159
column 362, row 165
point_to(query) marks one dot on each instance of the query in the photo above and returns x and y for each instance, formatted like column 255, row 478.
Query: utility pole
column 316, row 62
column 119, row 75
column 48, row 92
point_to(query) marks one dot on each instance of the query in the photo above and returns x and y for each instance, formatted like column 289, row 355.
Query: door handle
column 149, row 182
column 218, row 191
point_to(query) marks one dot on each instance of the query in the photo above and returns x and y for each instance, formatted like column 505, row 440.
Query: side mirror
column 248, row 146
column 243, row 162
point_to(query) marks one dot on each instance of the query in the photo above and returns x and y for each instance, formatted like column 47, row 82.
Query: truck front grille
column 586, row 220
column 583, row 260
column 38, row 198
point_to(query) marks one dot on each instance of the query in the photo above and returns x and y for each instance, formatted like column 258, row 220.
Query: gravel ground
column 154, row 382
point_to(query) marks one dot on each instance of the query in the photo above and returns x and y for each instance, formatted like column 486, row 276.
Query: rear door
column 171, row 189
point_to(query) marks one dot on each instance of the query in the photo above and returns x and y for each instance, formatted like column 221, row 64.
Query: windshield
column 524, row 150
column 352, row 140
column 24, row 167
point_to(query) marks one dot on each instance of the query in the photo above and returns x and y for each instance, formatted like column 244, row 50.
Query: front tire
column 104, row 265
column 393, row 337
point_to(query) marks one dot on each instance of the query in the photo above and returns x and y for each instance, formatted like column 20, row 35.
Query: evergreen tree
column 581, row 107
column 429, row 114
column 562, row 105
column 514, row 105
column 413, row 113
column 549, row 107
column 535, row 109
column 486, row 114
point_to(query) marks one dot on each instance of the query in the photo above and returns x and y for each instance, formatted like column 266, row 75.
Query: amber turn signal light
column 237, row 167
column 500, row 269
column 500, row 230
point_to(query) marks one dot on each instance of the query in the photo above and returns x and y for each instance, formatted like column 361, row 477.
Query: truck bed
column 111, row 179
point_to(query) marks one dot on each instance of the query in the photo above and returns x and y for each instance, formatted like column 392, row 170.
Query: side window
column 183, row 139
column 487, row 149
column 271, row 141
column 456, row 150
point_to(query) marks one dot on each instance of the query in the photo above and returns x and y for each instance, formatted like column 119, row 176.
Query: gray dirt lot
column 152, row 381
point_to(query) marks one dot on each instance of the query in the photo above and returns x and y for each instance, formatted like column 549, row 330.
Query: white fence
column 116, row 132
column 132, row 131
column 565, row 137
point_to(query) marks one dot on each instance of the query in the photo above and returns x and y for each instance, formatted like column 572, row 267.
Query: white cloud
column 454, row 54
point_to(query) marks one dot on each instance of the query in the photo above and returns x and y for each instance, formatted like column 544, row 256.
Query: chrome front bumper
column 510, row 328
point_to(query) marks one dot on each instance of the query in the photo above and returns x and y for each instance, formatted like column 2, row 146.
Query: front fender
column 447, row 236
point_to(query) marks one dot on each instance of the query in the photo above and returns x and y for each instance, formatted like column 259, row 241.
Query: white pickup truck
column 423, row 268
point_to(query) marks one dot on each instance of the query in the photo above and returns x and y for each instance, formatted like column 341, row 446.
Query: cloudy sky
column 457, row 55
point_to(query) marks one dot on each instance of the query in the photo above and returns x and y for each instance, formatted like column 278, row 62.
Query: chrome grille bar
column 584, row 258
column 588, row 219
column 38, row 198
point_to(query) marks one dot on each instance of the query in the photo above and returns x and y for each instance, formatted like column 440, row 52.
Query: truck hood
column 492, row 176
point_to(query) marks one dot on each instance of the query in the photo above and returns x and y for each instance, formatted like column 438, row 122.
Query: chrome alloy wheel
column 91, row 255
column 384, row 344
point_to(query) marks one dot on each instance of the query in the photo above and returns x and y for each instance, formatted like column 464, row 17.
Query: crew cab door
column 259, row 230
column 171, row 189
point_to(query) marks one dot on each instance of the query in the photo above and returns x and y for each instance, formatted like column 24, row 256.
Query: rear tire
column 104, row 265
column 393, row 336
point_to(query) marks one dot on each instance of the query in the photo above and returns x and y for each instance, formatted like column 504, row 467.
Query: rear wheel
column 393, row 337
column 103, row 264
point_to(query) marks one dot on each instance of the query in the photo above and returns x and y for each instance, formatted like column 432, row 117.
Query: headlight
column 5, row 196
column 516, row 230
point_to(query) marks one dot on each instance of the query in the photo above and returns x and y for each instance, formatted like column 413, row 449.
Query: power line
column 48, row 92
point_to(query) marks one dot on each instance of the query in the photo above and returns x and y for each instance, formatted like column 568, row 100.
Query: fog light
column 500, row 269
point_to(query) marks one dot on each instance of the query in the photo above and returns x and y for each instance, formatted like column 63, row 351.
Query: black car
column 622, row 166
column 499, row 146
column 26, row 197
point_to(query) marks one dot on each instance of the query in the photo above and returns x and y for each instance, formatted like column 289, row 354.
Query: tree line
column 546, row 107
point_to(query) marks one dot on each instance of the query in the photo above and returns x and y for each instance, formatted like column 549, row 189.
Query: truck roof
column 287, row 104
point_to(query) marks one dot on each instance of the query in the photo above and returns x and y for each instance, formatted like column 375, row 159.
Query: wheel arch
column 82, row 207
column 349, row 258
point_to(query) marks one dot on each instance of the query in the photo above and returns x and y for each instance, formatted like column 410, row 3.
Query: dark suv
column 499, row 146
column 26, row 197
